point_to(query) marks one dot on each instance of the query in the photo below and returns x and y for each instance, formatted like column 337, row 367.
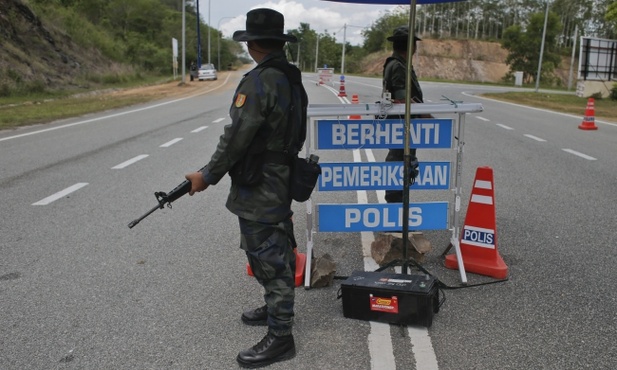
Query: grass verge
column 605, row 109
column 43, row 107
column 47, row 110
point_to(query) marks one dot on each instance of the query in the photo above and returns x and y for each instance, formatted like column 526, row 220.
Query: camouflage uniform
column 394, row 78
column 260, row 107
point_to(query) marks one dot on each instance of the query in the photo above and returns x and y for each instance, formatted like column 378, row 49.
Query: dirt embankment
column 457, row 60
column 33, row 51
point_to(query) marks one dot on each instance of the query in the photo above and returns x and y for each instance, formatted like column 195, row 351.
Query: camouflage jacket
column 394, row 71
column 260, row 106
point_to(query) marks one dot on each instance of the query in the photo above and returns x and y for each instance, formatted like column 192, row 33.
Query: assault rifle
column 166, row 198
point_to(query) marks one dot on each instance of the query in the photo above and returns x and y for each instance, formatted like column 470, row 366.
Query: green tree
column 524, row 44
column 611, row 16
column 375, row 37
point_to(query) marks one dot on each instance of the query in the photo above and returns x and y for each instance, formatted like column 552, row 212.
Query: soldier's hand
column 413, row 170
column 197, row 182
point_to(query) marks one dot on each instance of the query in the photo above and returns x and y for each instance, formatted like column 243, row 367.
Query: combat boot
column 269, row 350
column 256, row 317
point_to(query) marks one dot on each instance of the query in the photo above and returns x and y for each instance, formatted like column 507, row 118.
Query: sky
column 322, row 16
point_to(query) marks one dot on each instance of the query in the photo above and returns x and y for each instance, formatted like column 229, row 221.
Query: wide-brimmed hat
column 402, row 33
column 262, row 24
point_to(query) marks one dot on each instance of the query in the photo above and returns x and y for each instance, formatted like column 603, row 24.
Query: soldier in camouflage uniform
column 260, row 110
column 394, row 79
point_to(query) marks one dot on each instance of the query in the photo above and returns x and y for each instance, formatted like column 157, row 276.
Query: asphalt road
column 80, row 290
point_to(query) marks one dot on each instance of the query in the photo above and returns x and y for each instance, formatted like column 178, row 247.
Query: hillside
column 37, row 55
column 34, row 53
column 457, row 60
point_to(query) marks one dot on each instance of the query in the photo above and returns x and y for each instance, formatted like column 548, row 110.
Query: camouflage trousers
column 269, row 249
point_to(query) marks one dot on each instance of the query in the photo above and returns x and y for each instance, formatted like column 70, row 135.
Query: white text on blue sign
column 382, row 176
column 381, row 217
column 381, row 134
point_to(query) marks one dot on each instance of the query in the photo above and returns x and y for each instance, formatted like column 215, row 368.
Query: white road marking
column 422, row 349
column 419, row 338
column 199, row 129
column 379, row 340
column 579, row 154
column 60, row 194
column 535, row 138
column 171, row 142
column 483, row 119
column 129, row 162
column 218, row 120
column 504, row 126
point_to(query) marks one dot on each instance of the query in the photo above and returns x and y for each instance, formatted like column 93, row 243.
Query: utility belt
column 303, row 172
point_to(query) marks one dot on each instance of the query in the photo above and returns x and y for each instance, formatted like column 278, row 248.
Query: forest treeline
column 139, row 32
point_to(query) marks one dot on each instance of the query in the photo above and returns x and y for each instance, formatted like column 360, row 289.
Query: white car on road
column 207, row 72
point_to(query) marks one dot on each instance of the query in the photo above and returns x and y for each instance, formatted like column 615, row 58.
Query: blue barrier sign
column 381, row 217
column 381, row 176
column 425, row 133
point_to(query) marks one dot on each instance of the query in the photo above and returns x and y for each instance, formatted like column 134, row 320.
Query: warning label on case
column 380, row 304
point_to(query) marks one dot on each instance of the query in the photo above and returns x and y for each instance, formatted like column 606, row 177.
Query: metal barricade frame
column 382, row 109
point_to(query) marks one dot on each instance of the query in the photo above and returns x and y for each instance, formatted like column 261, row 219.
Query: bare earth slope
column 32, row 51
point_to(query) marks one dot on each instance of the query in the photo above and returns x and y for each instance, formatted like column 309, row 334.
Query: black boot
column 256, row 317
column 269, row 350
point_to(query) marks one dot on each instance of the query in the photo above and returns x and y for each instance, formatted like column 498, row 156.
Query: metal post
column 542, row 48
column 317, row 54
column 456, row 231
column 344, row 42
column 183, row 41
column 572, row 58
column 406, row 149
column 209, row 31
column 198, row 38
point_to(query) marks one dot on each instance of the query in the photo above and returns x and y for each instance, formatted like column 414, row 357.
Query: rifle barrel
column 136, row 221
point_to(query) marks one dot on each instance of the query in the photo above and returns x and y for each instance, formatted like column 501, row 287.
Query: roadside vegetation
column 102, row 46
column 605, row 109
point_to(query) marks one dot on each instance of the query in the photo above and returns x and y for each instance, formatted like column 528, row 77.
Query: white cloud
column 321, row 15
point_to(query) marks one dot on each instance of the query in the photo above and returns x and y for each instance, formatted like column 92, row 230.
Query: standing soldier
column 394, row 79
column 260, row 113
column 193, row 70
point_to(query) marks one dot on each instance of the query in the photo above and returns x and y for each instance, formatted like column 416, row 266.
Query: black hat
column 264, row 23
column 401, row 34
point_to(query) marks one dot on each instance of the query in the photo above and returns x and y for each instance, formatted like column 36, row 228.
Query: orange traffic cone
column 479, row 234
column 341, row 91
column 354, row 100
column 589, row 121
column 300, row 265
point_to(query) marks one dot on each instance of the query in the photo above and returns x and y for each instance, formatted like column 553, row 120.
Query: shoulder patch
column 240, row 100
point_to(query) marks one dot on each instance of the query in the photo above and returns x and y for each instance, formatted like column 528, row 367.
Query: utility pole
column 316, row 53
column 542, row 48
column 344, row 42
column 198, row 38
column 183, row 41
column 572, row 58
column 209, row 31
